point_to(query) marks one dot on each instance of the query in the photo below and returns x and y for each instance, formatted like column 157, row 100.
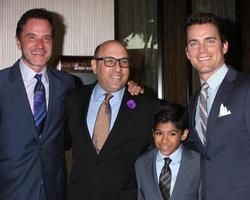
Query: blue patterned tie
column 39, row 104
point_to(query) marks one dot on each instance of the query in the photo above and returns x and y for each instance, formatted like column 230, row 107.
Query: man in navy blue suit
column 222, row 135
column 32, row 164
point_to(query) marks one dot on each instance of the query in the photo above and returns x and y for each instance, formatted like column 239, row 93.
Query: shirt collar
column 215, row 80
column 98, row 93
column 28, row 74
column 175, row 156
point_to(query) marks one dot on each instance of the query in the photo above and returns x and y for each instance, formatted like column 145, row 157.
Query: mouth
column 202, row 59
column 116, row 77
column 38, row 52
column 164, row 147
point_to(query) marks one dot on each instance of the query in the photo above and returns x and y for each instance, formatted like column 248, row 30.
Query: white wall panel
column 88, row 23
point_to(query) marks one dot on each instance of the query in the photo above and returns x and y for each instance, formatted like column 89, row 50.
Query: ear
column 18, row 43
column 187, row 54
column 225, row 47
column 184, row 135
column 94, row 65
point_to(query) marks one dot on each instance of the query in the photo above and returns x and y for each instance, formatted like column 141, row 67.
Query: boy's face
column 167, row 137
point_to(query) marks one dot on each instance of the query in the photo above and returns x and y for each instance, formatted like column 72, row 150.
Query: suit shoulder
column 147, row 155
column 82, row 90
column 191, row 153
column 61, row 75
column 147, row 99
column 4, row 73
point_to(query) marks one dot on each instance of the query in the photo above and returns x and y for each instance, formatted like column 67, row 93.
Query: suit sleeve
column 247, row 109
column 138, row 179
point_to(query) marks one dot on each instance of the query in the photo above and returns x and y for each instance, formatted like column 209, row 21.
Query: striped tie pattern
column 39, row 104
column 102, row 123
column 165, row 179
column 203, row 108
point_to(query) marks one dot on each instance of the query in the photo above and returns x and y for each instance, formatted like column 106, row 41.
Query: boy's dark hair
column 171, row 112
column 36, row 13
column 204, row 18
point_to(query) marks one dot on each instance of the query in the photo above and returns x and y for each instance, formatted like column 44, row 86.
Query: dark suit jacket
column 25, row 160
column 225, row 160
column 187, row 184
column 109, row 175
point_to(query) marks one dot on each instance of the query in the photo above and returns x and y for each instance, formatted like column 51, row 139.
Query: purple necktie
column 39, row 104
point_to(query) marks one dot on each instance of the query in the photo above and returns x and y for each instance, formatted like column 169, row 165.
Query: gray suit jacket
column 187, row 185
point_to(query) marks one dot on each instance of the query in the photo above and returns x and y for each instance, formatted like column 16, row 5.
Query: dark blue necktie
column 39, row 104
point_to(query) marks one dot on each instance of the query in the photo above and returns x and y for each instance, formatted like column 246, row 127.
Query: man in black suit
column 223, row 137
column 108, row 172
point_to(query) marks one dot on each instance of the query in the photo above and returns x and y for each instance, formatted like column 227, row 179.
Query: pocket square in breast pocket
column 224, row 111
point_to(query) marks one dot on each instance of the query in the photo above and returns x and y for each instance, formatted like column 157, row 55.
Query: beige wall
column 88, row 22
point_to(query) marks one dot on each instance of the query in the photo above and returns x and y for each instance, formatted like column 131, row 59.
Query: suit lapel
column 22, row 105
column 54, row 98
column 185, row 166
column 221, row 96
column 193, row 114
column 151, row 172
column 115, row 135
column 82, row 104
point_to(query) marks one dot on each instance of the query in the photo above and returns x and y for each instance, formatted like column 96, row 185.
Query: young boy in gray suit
column 169, row 171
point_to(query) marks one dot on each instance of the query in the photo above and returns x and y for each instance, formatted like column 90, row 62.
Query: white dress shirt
column 29, row 80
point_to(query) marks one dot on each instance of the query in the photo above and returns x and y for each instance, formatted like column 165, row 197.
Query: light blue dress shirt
column 174, row 165
column 214, row 83
column 96, row 99
column 29, row 80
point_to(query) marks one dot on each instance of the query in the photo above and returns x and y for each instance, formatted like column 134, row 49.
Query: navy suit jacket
column 187, row 185
column 27, row 163
column 109, row 175
column 225, row 159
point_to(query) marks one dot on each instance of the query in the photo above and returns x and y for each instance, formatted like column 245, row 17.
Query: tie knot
column 204, row 86
column 38, row 77
column 108, row 96
column 167, row 161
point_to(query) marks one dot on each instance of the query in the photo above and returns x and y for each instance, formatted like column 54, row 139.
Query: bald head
column 111, row 65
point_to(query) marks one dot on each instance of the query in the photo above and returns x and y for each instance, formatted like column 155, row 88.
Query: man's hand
column 134, row 89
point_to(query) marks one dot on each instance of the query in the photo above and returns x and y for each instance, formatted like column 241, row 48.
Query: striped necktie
column 165, row 179
column 102, row 123
column 203, row 108
column 39, row 104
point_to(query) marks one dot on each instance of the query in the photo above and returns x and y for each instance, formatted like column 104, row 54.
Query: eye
column 110, row 61
column 193, row 44
column 124, row 61
column 172, row 133
column 158, row 133
column 47, row 39
column 211, row 41
column 31, row 37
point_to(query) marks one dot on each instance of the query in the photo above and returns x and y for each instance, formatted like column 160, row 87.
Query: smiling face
column 167, row 137
column 111, row 79
column 35, row 41
column 205, row 49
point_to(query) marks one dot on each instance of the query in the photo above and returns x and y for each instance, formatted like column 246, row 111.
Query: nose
column 117, row 66
column 164, row 138
column 202, row 47
column 39, row 43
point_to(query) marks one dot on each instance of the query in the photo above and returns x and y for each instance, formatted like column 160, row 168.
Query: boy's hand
column 134, row 89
